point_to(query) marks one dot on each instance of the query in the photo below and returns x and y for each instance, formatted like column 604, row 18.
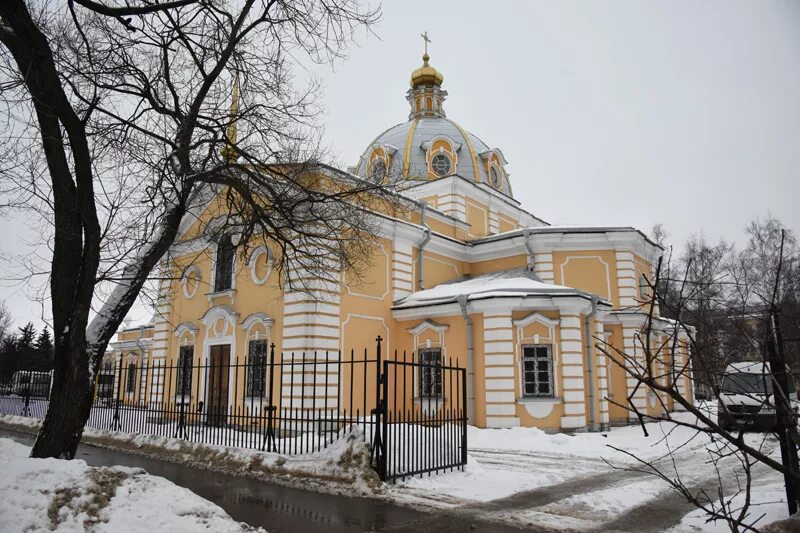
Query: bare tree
column 121, row 131
column 5, row 321
column 736, row 294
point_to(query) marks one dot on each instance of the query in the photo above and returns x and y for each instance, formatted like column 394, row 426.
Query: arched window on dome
column 496, row 176
column 441, row 164
column 377, row 171
column 441, row 157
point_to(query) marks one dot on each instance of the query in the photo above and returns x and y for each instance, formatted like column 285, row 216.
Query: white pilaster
column 572, row 371
column 498, row 350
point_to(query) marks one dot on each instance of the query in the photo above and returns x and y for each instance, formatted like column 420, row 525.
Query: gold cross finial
column 425, row 38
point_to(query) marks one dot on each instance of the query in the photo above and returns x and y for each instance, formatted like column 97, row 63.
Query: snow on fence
column 411, row 412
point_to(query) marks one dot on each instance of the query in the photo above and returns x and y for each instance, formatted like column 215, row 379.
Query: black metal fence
column 411, row 412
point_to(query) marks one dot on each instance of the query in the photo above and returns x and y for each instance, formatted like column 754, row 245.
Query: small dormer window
column 378, row 172
column 494, row 177
column 441, row 164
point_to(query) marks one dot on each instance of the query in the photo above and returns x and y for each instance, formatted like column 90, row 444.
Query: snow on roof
column 512, row 282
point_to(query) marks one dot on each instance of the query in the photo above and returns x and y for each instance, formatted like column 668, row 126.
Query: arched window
column 130, row 382
column 223, row 275
column 495, row 178
column 378, row 171
column 441, row 164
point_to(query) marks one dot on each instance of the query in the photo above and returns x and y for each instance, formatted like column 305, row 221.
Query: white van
column 746, row 397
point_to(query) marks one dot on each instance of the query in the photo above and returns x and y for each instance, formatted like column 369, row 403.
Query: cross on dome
column 426, row 39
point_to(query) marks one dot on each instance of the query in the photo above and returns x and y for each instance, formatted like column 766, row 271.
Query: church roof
column 408, row 139
column 513, row 282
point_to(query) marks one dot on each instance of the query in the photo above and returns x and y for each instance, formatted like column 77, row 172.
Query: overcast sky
column 609, row 113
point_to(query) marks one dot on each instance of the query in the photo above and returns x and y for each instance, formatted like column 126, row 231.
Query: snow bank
column 57, row 495
column 344, row 467
column 768, row 504
column 662, row 437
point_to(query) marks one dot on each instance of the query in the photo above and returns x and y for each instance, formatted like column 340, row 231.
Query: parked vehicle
column 747, row 400
column 37, row 384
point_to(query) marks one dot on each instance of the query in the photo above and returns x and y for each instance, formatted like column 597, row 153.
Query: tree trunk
column 69, row 407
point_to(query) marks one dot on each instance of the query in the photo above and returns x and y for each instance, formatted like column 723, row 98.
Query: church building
column 468, row 275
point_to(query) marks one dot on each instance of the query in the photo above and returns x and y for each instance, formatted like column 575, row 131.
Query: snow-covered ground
column 56, row 495
column 522, row 476
column 587, row 480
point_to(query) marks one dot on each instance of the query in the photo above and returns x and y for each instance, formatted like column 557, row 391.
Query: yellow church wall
column 248, row 297
column 506, row 224
column 437, row 268
column 496, row 265
column 442, row 227
column 135, row 333
column 479, row 370
column 454, row 350
column 477, row 218
column 593, row 271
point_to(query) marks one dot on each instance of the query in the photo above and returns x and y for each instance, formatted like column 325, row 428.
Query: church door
column 218, row 384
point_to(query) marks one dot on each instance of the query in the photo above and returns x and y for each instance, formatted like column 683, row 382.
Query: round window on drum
column 441, row 165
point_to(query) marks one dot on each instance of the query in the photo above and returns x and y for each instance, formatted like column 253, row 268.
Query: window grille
column 430, row 373
column 537, row 370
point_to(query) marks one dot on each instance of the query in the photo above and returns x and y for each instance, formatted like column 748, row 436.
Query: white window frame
column 551, row 371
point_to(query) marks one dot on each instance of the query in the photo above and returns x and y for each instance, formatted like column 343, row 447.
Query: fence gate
column 423, row 415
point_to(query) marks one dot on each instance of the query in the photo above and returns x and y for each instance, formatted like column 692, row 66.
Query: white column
column 494, row 222
column 161, row 332
column 601, row 368
column 453, row 205
column 543, row 266
column 572, row 372
column 311, row 329
column 626, row 280
column 498, row 350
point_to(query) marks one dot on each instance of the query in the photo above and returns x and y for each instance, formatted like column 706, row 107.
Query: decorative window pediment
column 220, row 321
column 535, row 317
column 259, row 324
column 425, row 325
column 454, row 146
column 186, row 330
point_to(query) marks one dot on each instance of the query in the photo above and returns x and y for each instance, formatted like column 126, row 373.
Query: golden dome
column 426, row 74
